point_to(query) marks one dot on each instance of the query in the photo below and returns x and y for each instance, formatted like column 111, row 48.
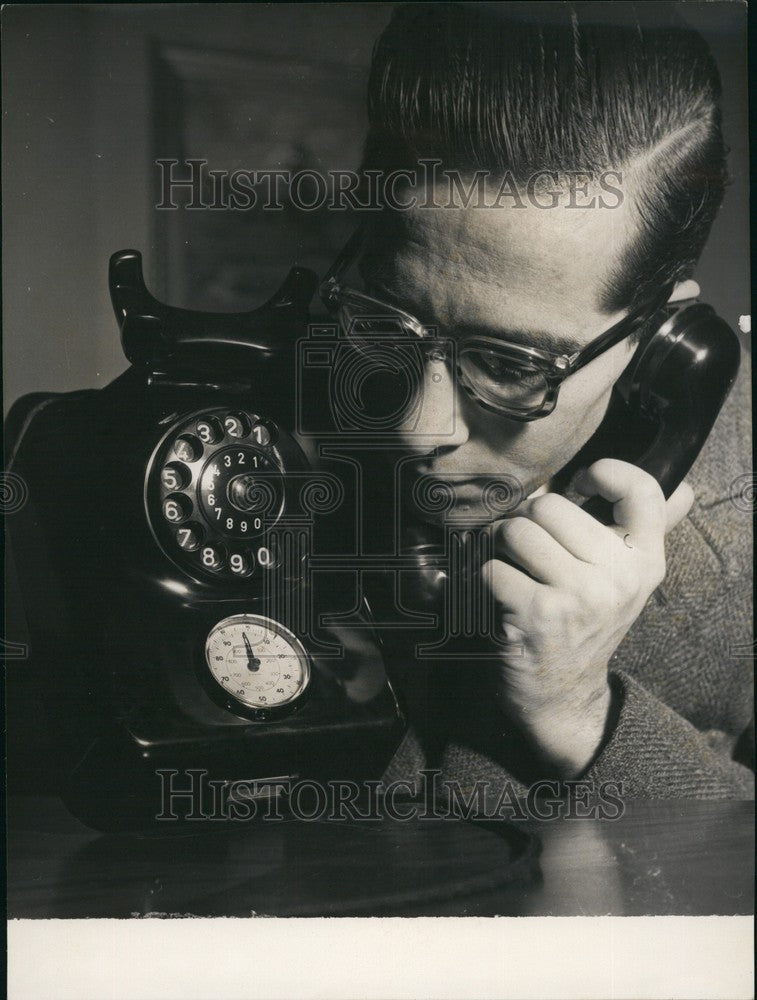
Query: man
column 611, row 668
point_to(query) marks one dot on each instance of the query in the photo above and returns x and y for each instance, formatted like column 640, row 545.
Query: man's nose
column 437, row 417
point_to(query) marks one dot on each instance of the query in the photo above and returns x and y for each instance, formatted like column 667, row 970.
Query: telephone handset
column 673, row 390
column 164, row 561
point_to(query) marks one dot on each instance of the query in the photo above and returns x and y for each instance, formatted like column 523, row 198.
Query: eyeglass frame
column 555, row 369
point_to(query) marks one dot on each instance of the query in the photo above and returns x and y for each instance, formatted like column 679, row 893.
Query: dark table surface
column 674, row 857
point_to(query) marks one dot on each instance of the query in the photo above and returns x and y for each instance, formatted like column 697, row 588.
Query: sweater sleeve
column 656, row 753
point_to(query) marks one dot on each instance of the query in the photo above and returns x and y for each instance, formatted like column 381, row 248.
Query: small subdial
column 257, row 661
column 241, row 492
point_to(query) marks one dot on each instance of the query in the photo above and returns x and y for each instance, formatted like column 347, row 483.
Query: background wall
column 79, row 138
column 79, row 141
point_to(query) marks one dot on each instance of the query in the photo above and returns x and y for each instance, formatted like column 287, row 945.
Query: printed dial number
column 189, row 536
column 268, row 557
column 187, row 448
column 213, row 557
column 177, row 508
column 237, row 425
column 241, row 563
column 262, row 434
column 241, row 492
column 209, row 430
column 175, row 476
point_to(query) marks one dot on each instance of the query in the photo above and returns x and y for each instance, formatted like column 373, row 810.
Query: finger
column 535, row 550
column 511, row 588
column 678, row 505
column 576, row 530
column 638, row 503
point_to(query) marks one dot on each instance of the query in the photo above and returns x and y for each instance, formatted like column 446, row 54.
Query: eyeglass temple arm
column 346, row 254
column 622, row 329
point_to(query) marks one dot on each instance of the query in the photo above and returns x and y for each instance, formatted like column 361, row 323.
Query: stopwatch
column 260, row 665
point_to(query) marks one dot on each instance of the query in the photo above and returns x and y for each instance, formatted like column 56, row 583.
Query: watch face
column 257, row 662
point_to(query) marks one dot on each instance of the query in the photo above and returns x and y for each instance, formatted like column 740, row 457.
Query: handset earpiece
column 677, row 383
column 680, row 381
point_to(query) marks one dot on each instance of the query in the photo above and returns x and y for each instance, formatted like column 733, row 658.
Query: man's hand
column 579, row 588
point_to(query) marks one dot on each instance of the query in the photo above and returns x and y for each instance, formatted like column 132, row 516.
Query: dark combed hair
column 562, row 86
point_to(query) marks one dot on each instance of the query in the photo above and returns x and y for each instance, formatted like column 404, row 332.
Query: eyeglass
column 519, row 382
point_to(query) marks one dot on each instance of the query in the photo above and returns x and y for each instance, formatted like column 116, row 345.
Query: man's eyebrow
column 542, row 340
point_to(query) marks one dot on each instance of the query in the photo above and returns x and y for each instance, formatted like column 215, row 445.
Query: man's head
column 522, row 88
column 550, row 89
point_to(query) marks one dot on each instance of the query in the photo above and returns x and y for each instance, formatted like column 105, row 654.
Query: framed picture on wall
column 227, row 121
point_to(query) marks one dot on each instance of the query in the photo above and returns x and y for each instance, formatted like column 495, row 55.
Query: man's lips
column 469, row 483
column 499, row 495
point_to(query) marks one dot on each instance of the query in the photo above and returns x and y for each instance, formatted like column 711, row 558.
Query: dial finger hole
column 241, row 563
column 177, row 508
column 237, row 425
column 209, row 430
column 188, row 448
column 263, row 434
column 213, row 557
column 189, row 536
column 175, row 476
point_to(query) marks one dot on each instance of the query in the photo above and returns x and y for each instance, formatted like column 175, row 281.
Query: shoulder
column 723, row 470
column 720, row 520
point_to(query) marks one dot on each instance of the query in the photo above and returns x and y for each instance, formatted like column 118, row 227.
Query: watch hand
column 253, row 663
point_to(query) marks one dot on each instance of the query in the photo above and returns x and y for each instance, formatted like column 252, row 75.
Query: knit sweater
column 682, row 676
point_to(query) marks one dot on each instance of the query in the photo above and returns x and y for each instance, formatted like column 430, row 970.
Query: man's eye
column 503, row 371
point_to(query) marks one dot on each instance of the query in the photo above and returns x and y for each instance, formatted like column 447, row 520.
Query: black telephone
column 165, row 554
column 163, row 561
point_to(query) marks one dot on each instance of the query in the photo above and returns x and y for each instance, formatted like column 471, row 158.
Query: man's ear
column 684, row 290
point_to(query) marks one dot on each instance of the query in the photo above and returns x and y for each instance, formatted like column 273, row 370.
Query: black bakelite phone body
column 163, row 563
column 165, row 555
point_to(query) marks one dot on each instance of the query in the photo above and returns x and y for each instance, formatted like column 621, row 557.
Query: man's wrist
column 567, row 744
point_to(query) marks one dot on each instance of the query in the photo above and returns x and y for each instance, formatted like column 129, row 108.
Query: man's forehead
column 512, row 252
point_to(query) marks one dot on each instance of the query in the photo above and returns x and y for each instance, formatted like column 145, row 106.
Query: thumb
column 678, row 505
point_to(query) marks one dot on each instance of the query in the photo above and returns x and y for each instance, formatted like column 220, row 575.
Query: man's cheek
column 580, row 417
